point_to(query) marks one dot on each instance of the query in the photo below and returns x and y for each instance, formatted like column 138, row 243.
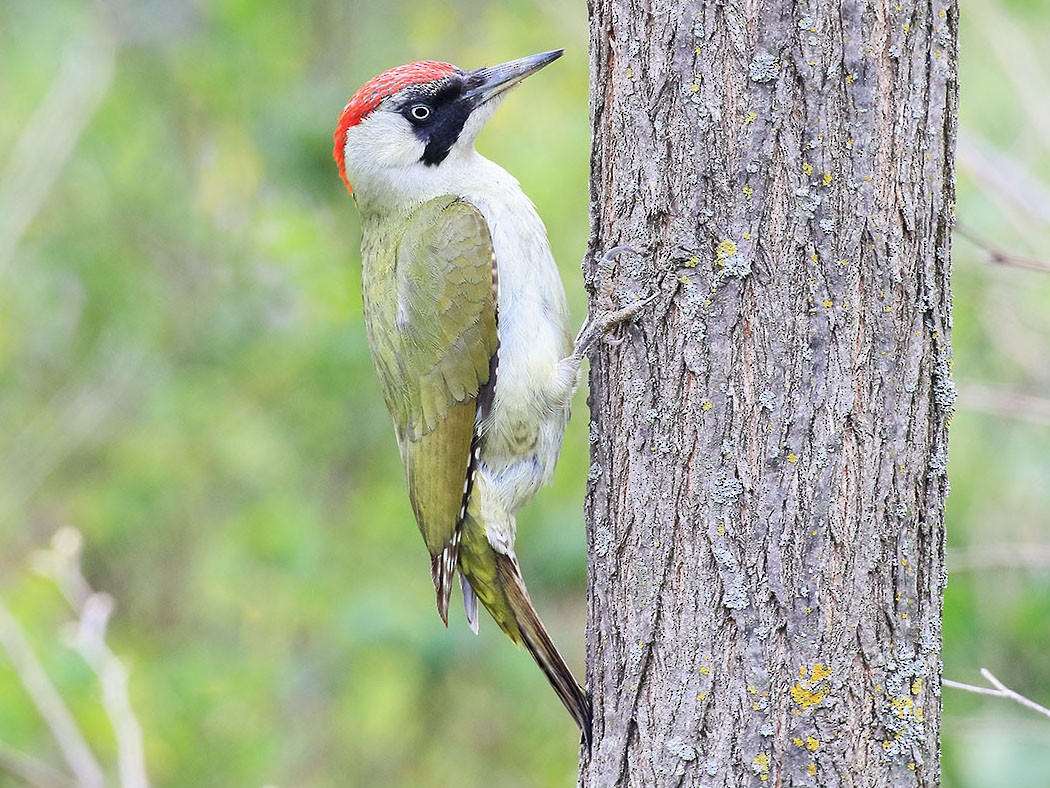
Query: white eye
column 420, row 112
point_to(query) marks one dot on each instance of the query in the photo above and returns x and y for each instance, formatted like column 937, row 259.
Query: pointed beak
column 487, row 83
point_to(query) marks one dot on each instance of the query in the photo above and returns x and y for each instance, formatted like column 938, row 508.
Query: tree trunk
column 766, row 501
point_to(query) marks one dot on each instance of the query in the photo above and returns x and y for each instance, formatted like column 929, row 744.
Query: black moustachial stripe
column 449, row 111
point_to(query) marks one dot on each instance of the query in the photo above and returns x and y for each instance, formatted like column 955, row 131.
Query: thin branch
column 94, row 609
column 999, row 172
column 998, row 256
column 1013, row 50
column 49, row 703
column 1004, row 402
column 999, row 556
column 49, row 138
column 1000, row 691
column 30, row 771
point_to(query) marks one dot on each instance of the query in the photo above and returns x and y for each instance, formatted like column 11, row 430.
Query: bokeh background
column 184, row 379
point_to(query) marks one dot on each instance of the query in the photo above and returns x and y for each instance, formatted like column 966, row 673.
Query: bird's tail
column 536, row 639
column 495, row 578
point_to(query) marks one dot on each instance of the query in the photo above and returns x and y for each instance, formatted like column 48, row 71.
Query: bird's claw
column 595, row 328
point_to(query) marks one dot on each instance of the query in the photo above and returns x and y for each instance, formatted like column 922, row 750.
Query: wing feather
column 431, row 315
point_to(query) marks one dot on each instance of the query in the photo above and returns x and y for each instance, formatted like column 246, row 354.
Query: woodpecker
column 468, row 326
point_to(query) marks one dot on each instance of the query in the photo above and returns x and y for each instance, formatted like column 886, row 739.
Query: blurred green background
column 184, row 378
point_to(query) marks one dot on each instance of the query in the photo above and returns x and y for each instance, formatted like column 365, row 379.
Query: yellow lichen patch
column 807, row 168
column 724, row 250
column 849, row 79
column 919, row 716
column 797, row 742
column 750, row 118
column 721, row 529
column 705, row 670
column 760, row 763
column 792, row 458
column 629, row 73
column 812, row 690
column 827, row 179
column 748, row 191
column 807, row 696
column 916, row 686
column 828, row 303
column 812, row 769
column 747, row 236
column 691, row 262
column 702, row 695
column 694, row 88
column 812, row 743
column 706, row 405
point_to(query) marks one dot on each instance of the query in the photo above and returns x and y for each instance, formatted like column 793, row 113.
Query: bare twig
column 49, row 703
column 999, row 690
column 1012, row 48
column 999, row 556
column 1001, row 173
column 93, row 609
column 998, row 256
column 30, row 771
column 50, row 136
column 1004, row 402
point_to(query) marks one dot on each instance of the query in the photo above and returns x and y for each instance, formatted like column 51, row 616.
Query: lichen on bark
column 767, row 536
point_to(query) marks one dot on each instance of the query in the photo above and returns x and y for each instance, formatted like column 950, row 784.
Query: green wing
column 430, row 310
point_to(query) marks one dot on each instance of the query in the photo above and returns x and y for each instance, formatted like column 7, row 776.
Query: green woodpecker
column 467, row 322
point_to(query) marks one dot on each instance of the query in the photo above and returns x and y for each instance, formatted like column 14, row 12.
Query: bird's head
column 414, row 123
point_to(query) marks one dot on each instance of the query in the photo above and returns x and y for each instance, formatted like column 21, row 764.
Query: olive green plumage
column 430, row 313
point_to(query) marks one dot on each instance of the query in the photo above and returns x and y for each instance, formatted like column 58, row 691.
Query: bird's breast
column 523, row 433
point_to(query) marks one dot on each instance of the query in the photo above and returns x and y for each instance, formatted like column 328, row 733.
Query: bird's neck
column 388, row 194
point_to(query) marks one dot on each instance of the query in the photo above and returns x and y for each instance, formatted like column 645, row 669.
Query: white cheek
column 382, row 140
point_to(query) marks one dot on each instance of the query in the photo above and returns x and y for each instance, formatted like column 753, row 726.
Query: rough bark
column 766, row 502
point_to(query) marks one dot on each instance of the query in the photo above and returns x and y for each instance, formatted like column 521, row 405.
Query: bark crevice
column 766, row 500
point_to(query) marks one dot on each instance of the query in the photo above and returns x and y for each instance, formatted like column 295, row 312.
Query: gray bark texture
column 766, row 501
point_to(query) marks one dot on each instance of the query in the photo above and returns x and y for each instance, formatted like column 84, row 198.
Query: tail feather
column 542, row 648
column 470, row 603
column 443, row 572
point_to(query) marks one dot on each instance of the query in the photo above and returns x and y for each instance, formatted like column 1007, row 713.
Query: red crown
column 370, row 94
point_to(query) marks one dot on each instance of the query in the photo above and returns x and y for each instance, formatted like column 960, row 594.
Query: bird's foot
column 597, row 327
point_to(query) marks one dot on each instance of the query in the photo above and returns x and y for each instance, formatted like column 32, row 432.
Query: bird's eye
column 419, row 112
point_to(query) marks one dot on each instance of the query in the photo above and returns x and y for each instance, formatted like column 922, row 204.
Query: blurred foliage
column 184, row 377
